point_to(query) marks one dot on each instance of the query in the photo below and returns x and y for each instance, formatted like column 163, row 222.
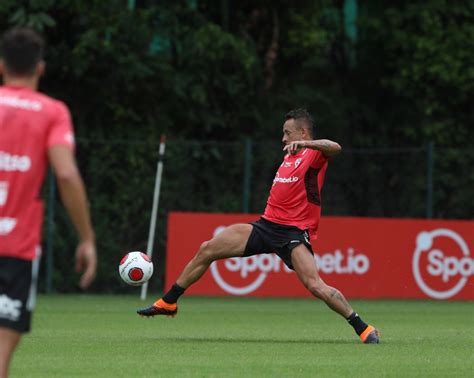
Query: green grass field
column 101, row 336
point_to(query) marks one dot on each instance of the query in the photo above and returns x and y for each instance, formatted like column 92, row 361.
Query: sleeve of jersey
column 318, row 159
column 61, row 131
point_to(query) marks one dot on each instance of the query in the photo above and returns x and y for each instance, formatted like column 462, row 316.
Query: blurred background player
column 290, row 220
column 34, row 129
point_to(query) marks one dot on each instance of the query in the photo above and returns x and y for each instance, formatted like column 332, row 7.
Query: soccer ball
column 135, row 268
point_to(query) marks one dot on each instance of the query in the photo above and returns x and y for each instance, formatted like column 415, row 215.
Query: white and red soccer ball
column 135, row 268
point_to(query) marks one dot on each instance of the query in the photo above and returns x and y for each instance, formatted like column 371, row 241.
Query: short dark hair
column 302, row 115
column 21, row 49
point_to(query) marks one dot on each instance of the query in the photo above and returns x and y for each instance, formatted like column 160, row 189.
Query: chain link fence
column 235, row 177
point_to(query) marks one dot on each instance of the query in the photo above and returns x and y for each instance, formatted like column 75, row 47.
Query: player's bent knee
column 206, row 253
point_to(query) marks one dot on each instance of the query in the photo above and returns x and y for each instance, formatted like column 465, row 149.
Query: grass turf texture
column 101, row 336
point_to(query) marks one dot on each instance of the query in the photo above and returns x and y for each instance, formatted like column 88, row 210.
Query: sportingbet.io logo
column 442, row 263
column 244, row 275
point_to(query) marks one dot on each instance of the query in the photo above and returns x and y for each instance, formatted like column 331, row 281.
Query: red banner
column 362, row 257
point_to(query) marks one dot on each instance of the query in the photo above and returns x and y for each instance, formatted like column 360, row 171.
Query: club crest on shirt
column 298, row 162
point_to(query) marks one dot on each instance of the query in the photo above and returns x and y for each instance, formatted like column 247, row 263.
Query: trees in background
column 376, row 75
column 221, row 69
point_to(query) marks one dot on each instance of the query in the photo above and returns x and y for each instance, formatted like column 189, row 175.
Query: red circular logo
column 135, row 274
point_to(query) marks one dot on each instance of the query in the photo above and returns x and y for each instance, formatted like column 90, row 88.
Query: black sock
column 173, row 294
column 356, row 322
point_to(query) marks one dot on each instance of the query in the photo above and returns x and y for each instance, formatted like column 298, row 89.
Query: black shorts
column 269, row 237
column 17, row 292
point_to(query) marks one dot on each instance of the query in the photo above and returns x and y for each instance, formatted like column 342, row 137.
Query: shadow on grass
column 266, row 340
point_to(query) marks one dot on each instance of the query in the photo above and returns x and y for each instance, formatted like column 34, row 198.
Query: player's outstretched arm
column 74, row 197
column 326, row 146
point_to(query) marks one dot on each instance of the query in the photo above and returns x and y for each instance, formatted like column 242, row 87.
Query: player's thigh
column 230, row 242
column 304, row 264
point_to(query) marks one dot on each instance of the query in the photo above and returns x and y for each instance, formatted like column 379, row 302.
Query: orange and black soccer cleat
column 160, row 307
column 370, row 335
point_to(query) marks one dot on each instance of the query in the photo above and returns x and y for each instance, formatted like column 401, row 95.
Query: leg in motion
column 306, row 270
column 8, row 342
column 230, row 242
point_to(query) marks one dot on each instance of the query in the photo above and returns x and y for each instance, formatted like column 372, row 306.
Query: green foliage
column 312, row 33
column 217, row 85
column 129, row 74
column 31, row 13
column 37, row 21
column 428, row 56
column 226, row 71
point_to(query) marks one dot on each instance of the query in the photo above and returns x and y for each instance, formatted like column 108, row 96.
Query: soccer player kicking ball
column 290, row 220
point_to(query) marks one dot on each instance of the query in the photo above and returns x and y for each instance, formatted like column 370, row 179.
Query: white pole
column 154, row 210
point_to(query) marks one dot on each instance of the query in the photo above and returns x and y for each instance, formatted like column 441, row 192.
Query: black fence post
column 50, row 232
column 247, row 175
column 430, row 156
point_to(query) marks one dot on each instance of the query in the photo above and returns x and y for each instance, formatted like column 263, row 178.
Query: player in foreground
column 289, row 222
column 34, row 129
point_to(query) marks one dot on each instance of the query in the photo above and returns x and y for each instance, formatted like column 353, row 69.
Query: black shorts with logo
column 269, row 237
column 17, row 294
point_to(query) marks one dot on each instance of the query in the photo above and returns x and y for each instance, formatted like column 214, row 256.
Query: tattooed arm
column 326, row 146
